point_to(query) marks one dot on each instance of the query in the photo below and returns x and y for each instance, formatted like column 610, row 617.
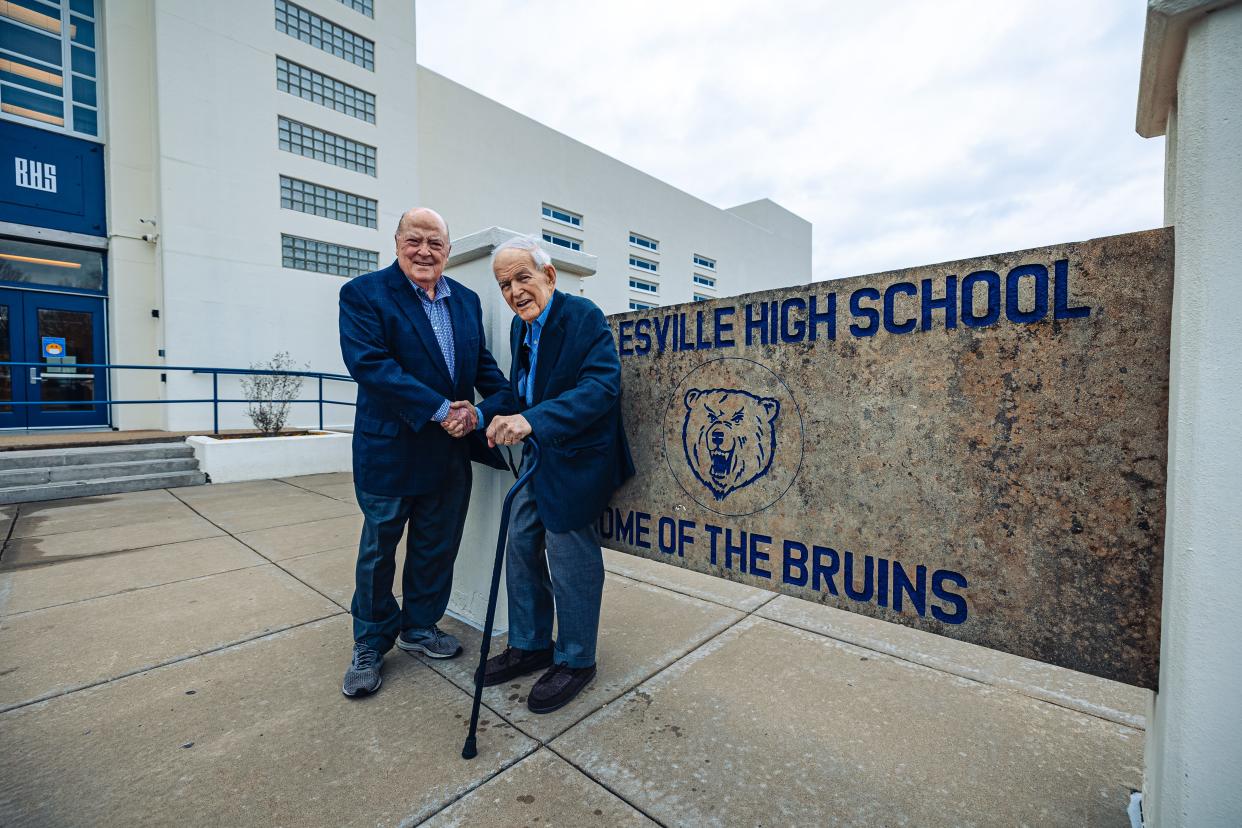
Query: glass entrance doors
column 60, row 332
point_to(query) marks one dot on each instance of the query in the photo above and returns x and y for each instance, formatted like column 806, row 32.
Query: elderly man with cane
column 566, row 382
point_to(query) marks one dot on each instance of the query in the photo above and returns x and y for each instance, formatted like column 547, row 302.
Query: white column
column 1193, row 773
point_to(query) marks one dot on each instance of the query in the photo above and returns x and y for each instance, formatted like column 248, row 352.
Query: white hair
column 530, row 244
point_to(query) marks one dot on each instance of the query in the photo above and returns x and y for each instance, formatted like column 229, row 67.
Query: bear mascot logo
column 729, row 437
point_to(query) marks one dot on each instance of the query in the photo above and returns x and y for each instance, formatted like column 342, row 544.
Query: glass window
column 324, row 90
column 703, row 261
column 552, row 238
column 557, row 214
column 59, row 393
column 640, row 305
column 698, row 297
column 322, row 33
column 34, row 82
column 317, row 200
column 645, row 287
column 644, row 264
column 312, row 142
column 325, row 257
column 45, row 264
column 705, row 281
column 644, row 242
column 366, row 7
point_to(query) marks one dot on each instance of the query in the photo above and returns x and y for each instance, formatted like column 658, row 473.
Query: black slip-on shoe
column 514, row 662
column 557, row 687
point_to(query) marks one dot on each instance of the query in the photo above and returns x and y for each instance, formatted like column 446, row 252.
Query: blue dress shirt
column 532, row 340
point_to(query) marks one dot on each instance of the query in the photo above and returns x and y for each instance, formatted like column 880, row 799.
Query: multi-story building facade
column 188, row 184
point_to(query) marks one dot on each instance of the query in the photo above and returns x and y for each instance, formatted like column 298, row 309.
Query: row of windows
column 324, row 90
column 36, row 82
column 326, row 257
column 705, row 281
column 317, row 200
column 640, row 305
column 366, row 7
column 562, row 241
column 645, row 287
column 322, row 33
column 312, row 142
column 703, row 261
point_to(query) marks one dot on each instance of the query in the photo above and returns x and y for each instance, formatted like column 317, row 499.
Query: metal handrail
column 215, row 398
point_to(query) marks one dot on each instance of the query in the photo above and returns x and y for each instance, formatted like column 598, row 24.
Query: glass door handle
column 35, row 379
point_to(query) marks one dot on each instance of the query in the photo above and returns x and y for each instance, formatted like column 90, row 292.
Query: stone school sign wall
column 974, row 448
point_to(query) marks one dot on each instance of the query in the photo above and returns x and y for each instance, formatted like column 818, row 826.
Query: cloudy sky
column 907, row 132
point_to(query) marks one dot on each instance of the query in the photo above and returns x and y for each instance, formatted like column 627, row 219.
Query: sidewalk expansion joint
column 5, row 710
column 136, row 589
column 312, row 491
column 548, row 743
column 1117, row 717
column 312, row 588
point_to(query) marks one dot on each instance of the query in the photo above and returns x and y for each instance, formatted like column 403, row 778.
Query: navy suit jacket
column 390, row 348
column 576, row 414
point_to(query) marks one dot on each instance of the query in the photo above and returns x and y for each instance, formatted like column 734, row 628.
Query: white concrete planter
column 259, row 458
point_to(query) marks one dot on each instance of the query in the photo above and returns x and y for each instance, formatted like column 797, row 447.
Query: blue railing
column 215, row 398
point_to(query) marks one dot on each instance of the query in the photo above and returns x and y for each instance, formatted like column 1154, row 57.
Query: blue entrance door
column 60, row 332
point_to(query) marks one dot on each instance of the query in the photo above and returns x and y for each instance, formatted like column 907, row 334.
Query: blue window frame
column 564, row 216
column 644, row 242
column 644, row 264
column 552, row 238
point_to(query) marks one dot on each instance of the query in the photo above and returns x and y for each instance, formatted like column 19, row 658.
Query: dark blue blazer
column 576, row 414
column 390, row 348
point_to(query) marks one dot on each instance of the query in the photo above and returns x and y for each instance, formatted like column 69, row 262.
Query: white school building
column 189, row 184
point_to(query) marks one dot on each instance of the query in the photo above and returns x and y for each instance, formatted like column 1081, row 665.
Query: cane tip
column 471, row 749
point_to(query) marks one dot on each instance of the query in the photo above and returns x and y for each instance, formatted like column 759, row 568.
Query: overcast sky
column 907, row 133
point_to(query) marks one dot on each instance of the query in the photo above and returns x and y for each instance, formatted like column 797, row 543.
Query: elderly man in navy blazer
column 566, row 381
column 414, row 341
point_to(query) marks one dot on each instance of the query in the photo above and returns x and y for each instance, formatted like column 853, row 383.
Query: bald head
column 425, row 213
column 422, row 247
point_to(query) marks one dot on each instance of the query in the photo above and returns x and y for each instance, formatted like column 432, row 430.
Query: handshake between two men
column 463, row 418
column 413, row 339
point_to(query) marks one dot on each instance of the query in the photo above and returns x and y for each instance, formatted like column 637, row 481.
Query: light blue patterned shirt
column 441, row 320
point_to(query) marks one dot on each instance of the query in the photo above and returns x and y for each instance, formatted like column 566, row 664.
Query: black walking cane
column 471, row 748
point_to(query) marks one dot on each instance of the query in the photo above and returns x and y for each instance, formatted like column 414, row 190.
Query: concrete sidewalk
column 175, row 656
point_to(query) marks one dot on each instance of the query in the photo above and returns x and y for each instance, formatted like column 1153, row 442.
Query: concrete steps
column 53, row 474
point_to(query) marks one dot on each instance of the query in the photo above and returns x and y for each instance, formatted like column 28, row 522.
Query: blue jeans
column 435, row 523
column 547, row 569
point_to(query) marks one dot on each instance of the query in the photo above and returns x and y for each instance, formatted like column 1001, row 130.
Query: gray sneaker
column 363, row 676
column 431, row 641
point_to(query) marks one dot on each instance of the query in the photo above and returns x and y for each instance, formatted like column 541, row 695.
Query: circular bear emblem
column 733, row 436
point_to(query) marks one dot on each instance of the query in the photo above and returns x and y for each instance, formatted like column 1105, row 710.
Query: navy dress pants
column 435, row 521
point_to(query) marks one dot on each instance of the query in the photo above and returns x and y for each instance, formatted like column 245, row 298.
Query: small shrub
column 270, row 396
